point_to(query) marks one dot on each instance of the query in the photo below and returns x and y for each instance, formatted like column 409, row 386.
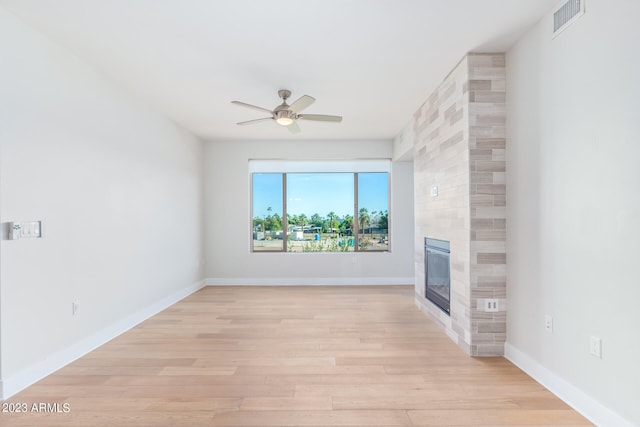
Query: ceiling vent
column 566, row 15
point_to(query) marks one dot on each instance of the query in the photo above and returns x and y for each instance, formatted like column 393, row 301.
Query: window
column 267, row 211
column 373, row 213
column 319, row 212
column 297, row 209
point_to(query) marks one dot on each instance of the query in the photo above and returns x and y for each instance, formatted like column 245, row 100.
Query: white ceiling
column 372, row 61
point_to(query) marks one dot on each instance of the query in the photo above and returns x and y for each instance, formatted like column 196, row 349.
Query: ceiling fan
column 286, row 115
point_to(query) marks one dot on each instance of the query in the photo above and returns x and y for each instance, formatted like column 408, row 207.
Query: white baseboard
column 23, row 379
column 308, row 281
column 590, row 408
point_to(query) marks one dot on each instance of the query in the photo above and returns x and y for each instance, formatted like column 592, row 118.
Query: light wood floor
column 291, row 356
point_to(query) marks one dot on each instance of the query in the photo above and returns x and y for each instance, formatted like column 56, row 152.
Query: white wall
column 119, row 190
column 573, row 207
column 403, row 143
column 227, row 201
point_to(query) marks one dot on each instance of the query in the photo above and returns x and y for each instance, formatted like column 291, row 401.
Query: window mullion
column 285, row 223
column 356, row 222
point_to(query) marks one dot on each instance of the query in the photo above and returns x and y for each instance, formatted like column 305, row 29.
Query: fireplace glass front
column 437, row 271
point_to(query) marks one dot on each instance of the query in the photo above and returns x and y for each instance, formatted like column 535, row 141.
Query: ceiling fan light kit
column 284, row 121
column 286, row 115
column 284, row 118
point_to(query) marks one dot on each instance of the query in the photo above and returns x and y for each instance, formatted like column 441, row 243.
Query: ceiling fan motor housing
column 284, row 94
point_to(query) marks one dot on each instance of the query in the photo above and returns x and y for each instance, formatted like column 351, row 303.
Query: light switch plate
column 16, row 230
column 31, row 229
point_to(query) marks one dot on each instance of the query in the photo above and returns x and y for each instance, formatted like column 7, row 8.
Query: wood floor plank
column 312, row 418
column 310, row 370
column 324, row 403
column 499, row 417
column 291, row 356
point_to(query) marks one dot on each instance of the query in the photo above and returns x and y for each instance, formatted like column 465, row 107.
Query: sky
column 320, row 193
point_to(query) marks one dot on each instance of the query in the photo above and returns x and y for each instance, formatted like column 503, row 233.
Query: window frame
column 320, row 167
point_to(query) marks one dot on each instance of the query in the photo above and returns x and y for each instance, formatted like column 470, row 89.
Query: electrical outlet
column 491, row 305
column 75, row 306
column 596, row 347
column 548, row 323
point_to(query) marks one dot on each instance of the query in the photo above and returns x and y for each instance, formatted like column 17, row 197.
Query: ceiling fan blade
column 301, row 103
column 293, row 127
column 320, row 118
column 250, row 122
column 255, row 107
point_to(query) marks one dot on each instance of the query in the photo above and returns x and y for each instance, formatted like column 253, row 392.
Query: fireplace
column 437, row 272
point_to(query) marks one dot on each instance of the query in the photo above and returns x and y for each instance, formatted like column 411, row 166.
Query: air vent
column 566, row 15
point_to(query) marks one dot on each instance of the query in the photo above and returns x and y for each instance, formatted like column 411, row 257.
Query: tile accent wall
column 459, row 147
column 441, row 159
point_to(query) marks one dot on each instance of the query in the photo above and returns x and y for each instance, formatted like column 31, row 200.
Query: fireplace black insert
column 437, row 272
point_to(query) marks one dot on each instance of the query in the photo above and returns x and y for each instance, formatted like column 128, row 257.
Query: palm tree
column 303, row 219
column 363, row 218
column 267, row 219
column 332, row 219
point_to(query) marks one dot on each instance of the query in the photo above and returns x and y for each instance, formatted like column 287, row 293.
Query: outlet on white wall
column 491, row 305
column 548, row 323
column 595, row 347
